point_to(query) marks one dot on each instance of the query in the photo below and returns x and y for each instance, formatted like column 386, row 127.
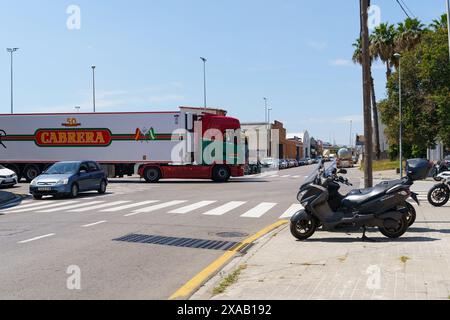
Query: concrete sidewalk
column 341, row 266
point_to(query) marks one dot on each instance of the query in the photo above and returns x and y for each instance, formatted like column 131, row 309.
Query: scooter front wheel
column 304, row 228
column 439, row 195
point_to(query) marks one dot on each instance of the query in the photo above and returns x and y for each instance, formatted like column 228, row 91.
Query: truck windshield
column 63, row 168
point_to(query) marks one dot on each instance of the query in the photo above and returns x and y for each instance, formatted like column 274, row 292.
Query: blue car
column 69, row 179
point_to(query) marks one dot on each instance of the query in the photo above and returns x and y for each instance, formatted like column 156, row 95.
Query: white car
column 8, row 178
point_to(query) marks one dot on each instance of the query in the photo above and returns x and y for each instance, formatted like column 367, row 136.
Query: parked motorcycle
column 439, row 195
column 438, row 168
column 384, row 206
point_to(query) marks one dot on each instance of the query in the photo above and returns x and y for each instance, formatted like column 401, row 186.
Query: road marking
column 99, row 206
column 37, row 238
column 73, row 206
column 274, row 176
column 43, row 206
column 188, row 288
column 34, row 204
column 129, row 206
column 259, row 210
column 225, row 208
column 156, row 207
column 192, row 207
column 292, row 210
column 94, row 224
column 296, row 177
column 286, row 176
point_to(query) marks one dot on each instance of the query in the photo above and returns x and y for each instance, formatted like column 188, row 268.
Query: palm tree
column 357, row 58
column 382, row 45
column 440, row 23
column 409, row 34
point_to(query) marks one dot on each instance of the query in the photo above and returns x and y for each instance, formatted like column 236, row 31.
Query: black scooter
column 383, row 206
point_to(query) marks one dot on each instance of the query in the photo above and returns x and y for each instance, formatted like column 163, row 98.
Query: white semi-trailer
column 156, row 145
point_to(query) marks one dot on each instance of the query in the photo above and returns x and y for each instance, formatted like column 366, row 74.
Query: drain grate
column 179, row 242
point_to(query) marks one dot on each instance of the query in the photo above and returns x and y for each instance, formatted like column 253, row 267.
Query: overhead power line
column 407, row 8
column 403, row 8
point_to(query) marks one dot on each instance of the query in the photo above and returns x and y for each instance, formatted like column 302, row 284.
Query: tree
column 357, row 58
column 383, row 45
column 440, row 23
column 409, row 34
column 425, row 98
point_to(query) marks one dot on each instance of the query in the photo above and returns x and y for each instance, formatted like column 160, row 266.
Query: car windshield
column 63, row 168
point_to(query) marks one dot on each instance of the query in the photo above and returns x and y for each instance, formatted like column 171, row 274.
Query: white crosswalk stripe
column 99, row 206
column 129, row 206
column 192, row 207
column 225, row 208
column 43, row 205
column 286, row 176
column 29, row 205
column 291, row 211
column 156, row 207
column 259, row 210
column 73, row 206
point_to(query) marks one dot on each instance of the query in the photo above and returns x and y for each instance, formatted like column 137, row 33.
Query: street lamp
column 265, row 109
column 448, row 25
column 11, row 51
column 204, row 80
column 268, row 115
column 93, row 86
column 400, row 147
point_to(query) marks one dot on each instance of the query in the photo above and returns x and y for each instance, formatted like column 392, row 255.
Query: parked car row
column 287, row 163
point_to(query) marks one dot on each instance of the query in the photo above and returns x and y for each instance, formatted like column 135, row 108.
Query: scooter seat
column 359, row 196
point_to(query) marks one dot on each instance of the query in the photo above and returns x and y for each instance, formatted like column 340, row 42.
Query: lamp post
column 11, row 51
column 448, row 25
column 204, row 80
column 93, row 87
column 400, row 144
column 265, row 109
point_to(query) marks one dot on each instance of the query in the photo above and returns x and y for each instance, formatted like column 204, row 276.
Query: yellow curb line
column 189, row 287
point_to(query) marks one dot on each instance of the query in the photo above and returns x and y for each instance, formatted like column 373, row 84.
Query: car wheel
column 102, row 188
column 74, row 191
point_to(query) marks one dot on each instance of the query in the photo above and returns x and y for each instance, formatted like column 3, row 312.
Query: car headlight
column 34, row 182
column 63, row 181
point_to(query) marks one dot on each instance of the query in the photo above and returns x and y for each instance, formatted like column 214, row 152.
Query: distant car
column 283, row 164
column 308, row 161
column 302, row 162
column 69, row 179
column 268, row 163
column 8, row 178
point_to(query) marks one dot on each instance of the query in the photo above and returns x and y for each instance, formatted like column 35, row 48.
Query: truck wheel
column 221, row 174
column 30, row 172
column 152, row 175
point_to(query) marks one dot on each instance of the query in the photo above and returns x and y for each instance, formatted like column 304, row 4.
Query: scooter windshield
column 312, row 176
column 329, row 171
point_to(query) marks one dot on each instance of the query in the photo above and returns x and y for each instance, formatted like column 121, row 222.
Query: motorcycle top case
column 418, row 169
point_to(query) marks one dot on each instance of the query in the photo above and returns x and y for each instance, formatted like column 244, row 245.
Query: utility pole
column 351, row 133
column 204, row 80
column 368, row 145
column 93, row 86
column 448, row 25
column 11, row 51
column 400, row 116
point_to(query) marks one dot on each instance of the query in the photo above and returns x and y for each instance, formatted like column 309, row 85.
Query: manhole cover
column 232, row 234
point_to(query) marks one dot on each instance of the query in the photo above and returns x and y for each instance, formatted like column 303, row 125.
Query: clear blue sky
column 295, row 52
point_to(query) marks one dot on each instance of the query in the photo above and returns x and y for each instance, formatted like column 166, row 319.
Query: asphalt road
column 41, row 240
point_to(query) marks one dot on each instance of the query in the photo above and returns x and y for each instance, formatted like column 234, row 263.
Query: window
column 93, row 166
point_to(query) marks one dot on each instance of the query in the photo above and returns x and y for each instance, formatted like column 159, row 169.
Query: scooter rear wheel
column 303, row 228
column 398, row 230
